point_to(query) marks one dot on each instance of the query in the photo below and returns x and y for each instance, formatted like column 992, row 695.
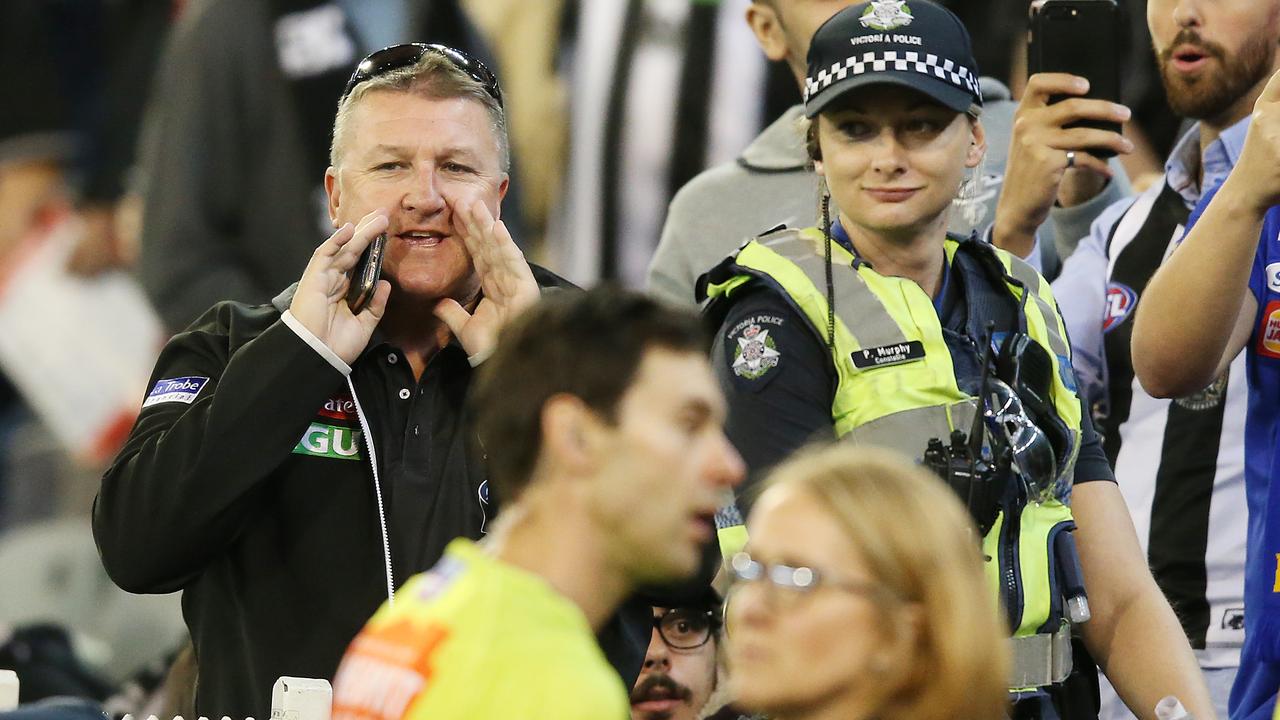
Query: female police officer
column 879, row 328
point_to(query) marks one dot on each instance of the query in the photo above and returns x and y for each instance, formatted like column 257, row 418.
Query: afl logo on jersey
column 1121, row 300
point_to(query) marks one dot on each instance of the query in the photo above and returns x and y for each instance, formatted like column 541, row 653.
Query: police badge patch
column 885, row 15
column 754, row 352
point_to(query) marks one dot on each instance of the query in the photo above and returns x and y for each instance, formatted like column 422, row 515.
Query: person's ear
column 767, row 27
column 331, row 190
column 812, row 144
column 978, row 145
column 502, row 194
column 568, row 433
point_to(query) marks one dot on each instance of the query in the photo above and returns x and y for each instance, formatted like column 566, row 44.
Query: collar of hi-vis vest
column 841, row 236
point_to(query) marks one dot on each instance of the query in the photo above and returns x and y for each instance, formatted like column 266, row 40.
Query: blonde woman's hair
column 433, row 76
column 919, row 543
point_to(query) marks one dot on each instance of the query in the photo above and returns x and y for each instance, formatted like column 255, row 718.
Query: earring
column 968, row 201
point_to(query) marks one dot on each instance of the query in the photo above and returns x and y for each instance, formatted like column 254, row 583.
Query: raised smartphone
column 365, row 275
column 1080, row 37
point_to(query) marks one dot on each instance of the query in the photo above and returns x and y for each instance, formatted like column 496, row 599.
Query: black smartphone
column 1080, row 37
column 365, row 275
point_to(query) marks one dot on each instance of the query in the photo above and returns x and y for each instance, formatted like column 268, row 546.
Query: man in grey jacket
column 772, row 182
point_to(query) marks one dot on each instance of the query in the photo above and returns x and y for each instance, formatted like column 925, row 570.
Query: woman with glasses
column 861, row 595
column 878, row 328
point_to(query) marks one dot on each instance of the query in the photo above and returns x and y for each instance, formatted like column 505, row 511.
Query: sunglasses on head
column 401, row 56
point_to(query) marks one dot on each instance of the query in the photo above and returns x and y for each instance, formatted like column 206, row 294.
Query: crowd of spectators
column 662, row 519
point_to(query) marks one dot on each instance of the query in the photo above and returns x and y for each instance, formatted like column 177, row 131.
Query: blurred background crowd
column 176, row 147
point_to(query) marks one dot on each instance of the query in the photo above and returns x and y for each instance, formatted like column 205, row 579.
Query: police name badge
column 754, row 352
column 894, row 354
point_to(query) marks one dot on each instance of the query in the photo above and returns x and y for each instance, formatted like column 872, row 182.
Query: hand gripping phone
column 365, row 275
column 1080, row 37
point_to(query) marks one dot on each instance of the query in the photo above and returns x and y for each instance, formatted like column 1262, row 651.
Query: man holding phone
column 1180, row 464
column 294, row 462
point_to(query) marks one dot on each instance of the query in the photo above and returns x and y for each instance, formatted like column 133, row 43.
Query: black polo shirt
column 431, row 471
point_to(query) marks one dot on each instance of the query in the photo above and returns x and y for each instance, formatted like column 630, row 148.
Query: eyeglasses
column 1029, row 446
column 786, row 584
column 683, row 629
column 402, row 56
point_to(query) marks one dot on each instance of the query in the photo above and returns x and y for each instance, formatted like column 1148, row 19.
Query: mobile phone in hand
column 365, row 275
column 1084, row 38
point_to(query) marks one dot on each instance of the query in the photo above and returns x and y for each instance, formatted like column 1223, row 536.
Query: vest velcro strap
column 1040, row 660
column 853, row 299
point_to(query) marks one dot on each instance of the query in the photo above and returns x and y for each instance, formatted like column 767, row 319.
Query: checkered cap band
column 904, row 61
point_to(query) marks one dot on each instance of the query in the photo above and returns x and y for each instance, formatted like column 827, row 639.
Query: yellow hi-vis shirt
column 476, row 638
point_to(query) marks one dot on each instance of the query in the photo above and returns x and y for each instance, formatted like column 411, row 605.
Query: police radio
column 980, row 480
column 979, row 467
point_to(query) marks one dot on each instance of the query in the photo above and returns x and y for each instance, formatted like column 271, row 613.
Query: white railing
column 291, row 699
column 8, row 690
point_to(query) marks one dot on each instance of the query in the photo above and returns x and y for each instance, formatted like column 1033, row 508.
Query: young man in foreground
column 602, row 425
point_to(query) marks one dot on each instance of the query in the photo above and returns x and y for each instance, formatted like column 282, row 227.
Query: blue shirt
column 1254, row 694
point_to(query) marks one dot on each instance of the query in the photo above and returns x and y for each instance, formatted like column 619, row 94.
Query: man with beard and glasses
column 680, row 672
column 1180, row 464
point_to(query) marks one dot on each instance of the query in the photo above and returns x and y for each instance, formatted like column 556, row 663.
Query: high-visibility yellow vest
column 903, row 404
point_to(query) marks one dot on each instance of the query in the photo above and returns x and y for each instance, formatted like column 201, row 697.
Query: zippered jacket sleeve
column 226, row 405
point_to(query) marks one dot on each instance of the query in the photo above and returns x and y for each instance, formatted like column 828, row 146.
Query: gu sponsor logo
column 339, row 407
column 330, row 441
column 1121, row 300
column 181, row 389
column 1269, row 331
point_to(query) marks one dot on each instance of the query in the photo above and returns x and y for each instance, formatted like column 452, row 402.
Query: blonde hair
column 433, row 76
column 919, row 544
